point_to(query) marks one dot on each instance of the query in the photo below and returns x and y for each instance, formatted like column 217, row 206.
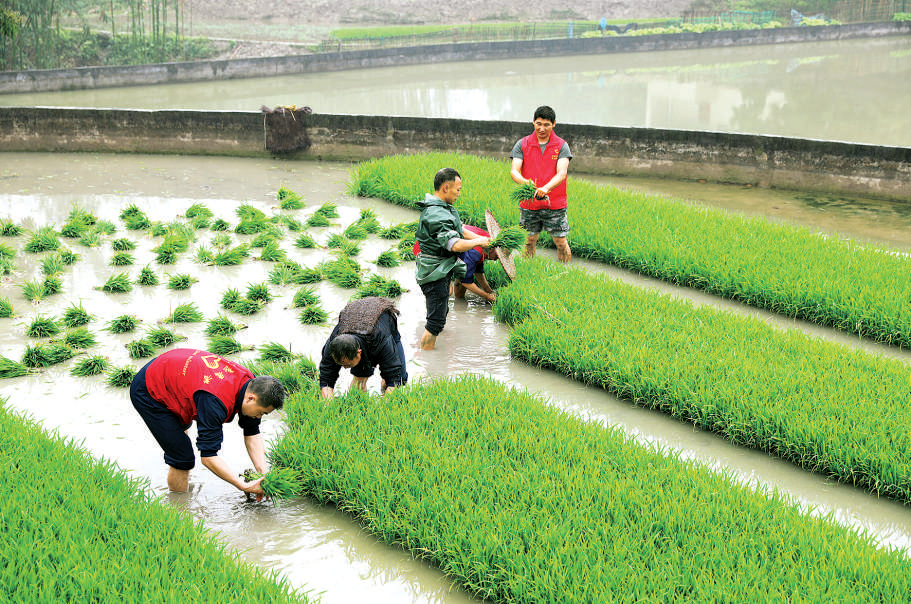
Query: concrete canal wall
column 765, row 161
column 166, row 73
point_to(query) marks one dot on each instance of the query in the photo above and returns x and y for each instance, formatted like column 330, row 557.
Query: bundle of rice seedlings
column 245, row 211
column 313, row 315
column 76, row 316
column 122, row 245
column 406, row 255
column 249, row 227
column 229, row 297
column 89, row 366
column 43, row 240
column 178, row 231
column 221, row 240
column 68, row 257
column 173, row 240
column 12, row 369
column 288, row 199
column 80, row 214
column 381, row 286
column 226, row 345
column 309, row 275
column 122, row 259
column 185, row 313
column 198, row 209
column 120, row 377
column 307, row 367
column 74, row 230
column 407, row 242
column 147, row 276
column 328, row 209
column 42, row 327
column 140, row 349
column 117, row 284
column 343, row 271
column 222, row 326
column 388, row 258
column 264, row 238
column 511, row 238
column 355, row 231
column 369, row 221
column 158, row 229
column 105, row 227
column 232, row 256
column 7, row 251
column 162, row 336
column 46, row 354
column 33, row 290
column 219, row 225
column 279, row 483
column 131, row 210
column 305, row 241
column 137, row 222
column 52, row 285
column 259, row 292
column 79, row 338
column 335, row 241
column 273, row 351
column 6, row 308
column 318, row 220
column 292, row 223
column 200, row 222
column 166, row 257
column 524, row 191
column 52, row 264
column 204, row 255
column 350, row 248
column 396, row 231
column 122, row 324
column 8, row 228
column 271, row 252
column 7, row 266
column 246, row 306
column 305, row 296
column 283, row 273
column 181, row 281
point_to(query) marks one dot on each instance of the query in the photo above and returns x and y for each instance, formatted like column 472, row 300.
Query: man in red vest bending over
column 543, row 158
column 186, row 384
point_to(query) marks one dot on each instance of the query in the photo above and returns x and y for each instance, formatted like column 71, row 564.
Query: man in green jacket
column 441, row 238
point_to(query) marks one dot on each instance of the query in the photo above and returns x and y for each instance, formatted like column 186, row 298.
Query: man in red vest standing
column 543, row 158
column 186, row 384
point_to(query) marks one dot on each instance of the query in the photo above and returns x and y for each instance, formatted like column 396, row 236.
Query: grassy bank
column 823, row 406
column 521, row 502
column 785, row 269
column 80, row 530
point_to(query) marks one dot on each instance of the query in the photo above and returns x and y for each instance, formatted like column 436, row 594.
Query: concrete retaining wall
column 766, row 161
column 162, row 73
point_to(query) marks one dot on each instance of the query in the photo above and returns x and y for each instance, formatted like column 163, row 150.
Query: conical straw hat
column 506, row 261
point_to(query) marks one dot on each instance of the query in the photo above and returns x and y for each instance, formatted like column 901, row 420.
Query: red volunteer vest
column 173, row 377
column 541, row 167
column 476, row 230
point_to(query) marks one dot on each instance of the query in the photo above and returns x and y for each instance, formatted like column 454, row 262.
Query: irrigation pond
column 316, row 546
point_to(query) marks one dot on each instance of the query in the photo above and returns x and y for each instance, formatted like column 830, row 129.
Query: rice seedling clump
column 42, row 327
column 313, row 315
column 8, row 228
column 378, row 285
column 122, row 245
column 219, row 225
column 120, row 377
column 511, row 238
column 222, row 326
column 52, row 285
column 122, row 259
column 79, row 338
column 181, row 281
column 273, row 351
column 226, row 345
column 162, row 336
column 89, row 366
column 76, row 316
column 43, row 240
column 288, row 199
column 305, row 296
column 388, row 258
column 117, row 284
column 140, row 349
column 122, row 324
column 6, row 308
column 13, row 369
column 185, row 313
column 33, row 290
column 305, row 241
column 147, row 276
column 46, row 354
column 259, row 292
column 318, row 220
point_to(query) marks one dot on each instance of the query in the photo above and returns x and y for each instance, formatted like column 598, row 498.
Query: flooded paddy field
column 316, row 546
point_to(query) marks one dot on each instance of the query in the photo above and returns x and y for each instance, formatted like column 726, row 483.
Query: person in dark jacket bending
column 367, row 336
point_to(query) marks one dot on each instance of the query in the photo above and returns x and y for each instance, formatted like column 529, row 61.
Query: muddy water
column 854, row 90
column 315, row 546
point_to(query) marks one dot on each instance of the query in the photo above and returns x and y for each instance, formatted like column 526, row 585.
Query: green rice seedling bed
column 522, row 502
column 823, row 406
column 81, row 530
column 785, row 269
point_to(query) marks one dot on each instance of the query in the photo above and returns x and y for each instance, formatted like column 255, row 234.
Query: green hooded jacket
column 438, row 224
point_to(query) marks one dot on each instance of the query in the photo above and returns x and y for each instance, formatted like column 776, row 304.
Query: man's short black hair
column 343, row 347
column 545, row 112
column 268, row 390
column 443, row 176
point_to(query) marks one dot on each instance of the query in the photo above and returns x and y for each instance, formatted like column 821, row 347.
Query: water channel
column 317, row 547
column 852, row 90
